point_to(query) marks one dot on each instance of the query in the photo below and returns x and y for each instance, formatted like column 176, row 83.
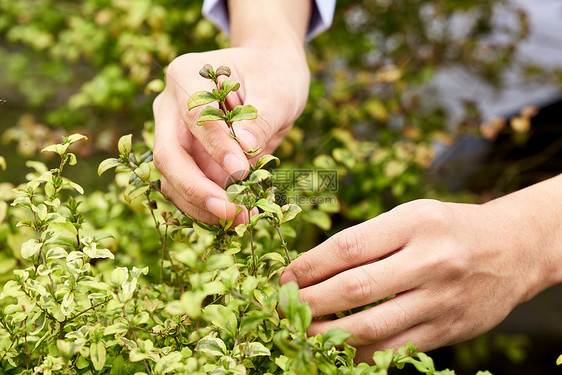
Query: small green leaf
column 75, row 138
column 168, row 363
column 228, row 86
column 336, row 336
column 212, row 346
column 58, row 148
column 255, row 349
column 259, row 176
column 250, row 321
column 319, row 218
column 125, row 145
column 30, row 248
column 72, row 159
column 210, row 114
column 107, row 164
column 290, row 211
column 67, row 305
column 241, row 229
column 559, row 360
column 244, row 112
column 3, row 165
column 266, row 159
column 298, row 313
column 143, row 171
column 268, row 206
column 200, row 98
column 253, row 152
column 234, row 190
column 222, row 317
column 427, row 361
column 383, row 359
column 98, row 355
column 133, row 191
column 68, row 349
column 119, row 276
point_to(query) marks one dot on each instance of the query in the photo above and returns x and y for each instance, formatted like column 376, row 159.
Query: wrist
column 530, row 228
column 270, row 24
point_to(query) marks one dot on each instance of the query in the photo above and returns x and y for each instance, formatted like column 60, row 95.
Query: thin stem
column 162, row 240
column 222, row 105
column 26, row 347
column 252, row 247
column 88, row 309
column 283, row 242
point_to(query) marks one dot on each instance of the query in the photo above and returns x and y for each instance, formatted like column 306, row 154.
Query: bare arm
column 269, row 22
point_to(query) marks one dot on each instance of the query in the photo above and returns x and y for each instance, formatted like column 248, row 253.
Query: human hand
column 456, row 271
column 197, row 162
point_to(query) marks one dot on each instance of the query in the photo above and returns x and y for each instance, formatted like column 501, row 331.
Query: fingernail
column 235, row 166
column 247, row 140
column 287, row 277
column 217, row 207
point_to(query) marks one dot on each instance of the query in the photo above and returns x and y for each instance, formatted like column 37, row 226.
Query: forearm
column 277, row 23
column 533, row 219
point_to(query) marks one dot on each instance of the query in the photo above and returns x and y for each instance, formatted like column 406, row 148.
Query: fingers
column 267, row 130
column 214, row 136
column 186, row 185
column 366, row 242
column 381, row 322
column 363, row 285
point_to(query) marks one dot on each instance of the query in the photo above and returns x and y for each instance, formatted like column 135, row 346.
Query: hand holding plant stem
column 252, row 194
column 196, row 162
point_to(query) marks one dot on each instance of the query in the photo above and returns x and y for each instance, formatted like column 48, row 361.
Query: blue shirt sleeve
column 321, row 19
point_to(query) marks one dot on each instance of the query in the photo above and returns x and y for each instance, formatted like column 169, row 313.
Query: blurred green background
column 95, row 66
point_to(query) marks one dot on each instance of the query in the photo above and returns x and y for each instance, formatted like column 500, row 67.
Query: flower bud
column 207, row 72
column 223, row 71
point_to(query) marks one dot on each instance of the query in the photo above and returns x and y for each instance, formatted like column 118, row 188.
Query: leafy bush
column 213, row 307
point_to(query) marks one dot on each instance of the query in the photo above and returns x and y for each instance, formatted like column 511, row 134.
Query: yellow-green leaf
column 107, row 164
column 200, row 98
column 98, row 355
column 244, row 112
column 125, row 145
column 30, row 248
column 210, row 114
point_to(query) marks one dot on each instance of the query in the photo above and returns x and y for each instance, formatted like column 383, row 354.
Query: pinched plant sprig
column 219, row 94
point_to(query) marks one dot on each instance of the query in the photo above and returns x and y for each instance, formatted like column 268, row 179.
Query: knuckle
column 450, row 259
column 214, row 145
column 266, row 129
column 429, row 212
column 160, row 158
column 375, row 329
column 173, row 70
column 356, row 288
column 190, row 117
column 157, row 103
column 187, row 190
column 305, row 269
column 349, row 245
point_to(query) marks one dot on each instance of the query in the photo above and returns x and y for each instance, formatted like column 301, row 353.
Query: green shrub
column 212, row 306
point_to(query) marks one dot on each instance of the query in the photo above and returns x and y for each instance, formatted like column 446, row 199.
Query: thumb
column 257, row 134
